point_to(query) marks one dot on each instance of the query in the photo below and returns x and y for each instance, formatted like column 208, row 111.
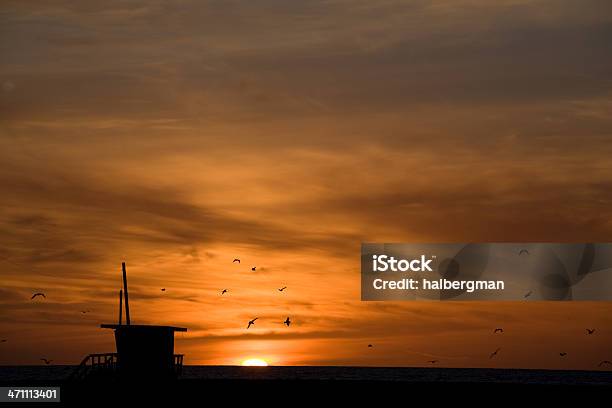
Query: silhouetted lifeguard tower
column 143, row 351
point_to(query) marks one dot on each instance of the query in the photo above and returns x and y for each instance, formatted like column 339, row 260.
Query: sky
column 177, row 136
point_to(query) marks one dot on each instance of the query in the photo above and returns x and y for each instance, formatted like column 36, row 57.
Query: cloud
column 11, row 295
column 328, row 61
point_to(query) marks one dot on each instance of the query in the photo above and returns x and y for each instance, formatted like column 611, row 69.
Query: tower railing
column 96, row 363
column 107, row 363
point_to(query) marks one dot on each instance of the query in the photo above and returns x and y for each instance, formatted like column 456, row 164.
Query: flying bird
column 163, row 289
column 493, row 354
column 523, row 251
column 283, row 288
column 236, row 260
column 3, row 341
column 46, row 361
column 287, row 321
column 85, row 311
column 527, row 294
column 608, row 362
column 590, row 331
column 563, row 354
column 38, row 294
column 498, row 330
column 224, row 291
column 432, row 361
column 254, row 268
column 369, row 345
column 252, row 322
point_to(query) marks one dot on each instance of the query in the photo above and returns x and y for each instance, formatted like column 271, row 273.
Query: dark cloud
column 479, row 55
column 155, row 215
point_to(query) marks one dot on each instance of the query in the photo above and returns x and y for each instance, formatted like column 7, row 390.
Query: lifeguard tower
column 143, row 351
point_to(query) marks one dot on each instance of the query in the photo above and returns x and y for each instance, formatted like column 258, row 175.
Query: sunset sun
column 254, row 362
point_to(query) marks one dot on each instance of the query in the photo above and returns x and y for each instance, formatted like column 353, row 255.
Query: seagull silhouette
column 432, row 361
column 38, row 294
column 287, row 321
column 590, row 331
column 369, row 345
column 498, row 330
column 608, row 362
column 236, row 260
column 46, row 361
column 3, row 341
column 283, row 288
column 85, row 311
column 252, row 322
column 224, row 291
column 493, row 354
column 563, row 354
column 523, row 251
column 163, row 289
column 527, row 294
column 254, row 268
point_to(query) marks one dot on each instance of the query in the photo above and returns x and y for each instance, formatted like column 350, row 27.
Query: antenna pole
column 125, row 292
column 120, row 305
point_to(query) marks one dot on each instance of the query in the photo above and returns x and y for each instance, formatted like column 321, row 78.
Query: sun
column 254, row 362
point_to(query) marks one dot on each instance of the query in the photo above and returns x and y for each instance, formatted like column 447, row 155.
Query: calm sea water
column 474, row 375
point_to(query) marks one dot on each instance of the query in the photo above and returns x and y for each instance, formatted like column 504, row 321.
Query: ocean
column 22, row 374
